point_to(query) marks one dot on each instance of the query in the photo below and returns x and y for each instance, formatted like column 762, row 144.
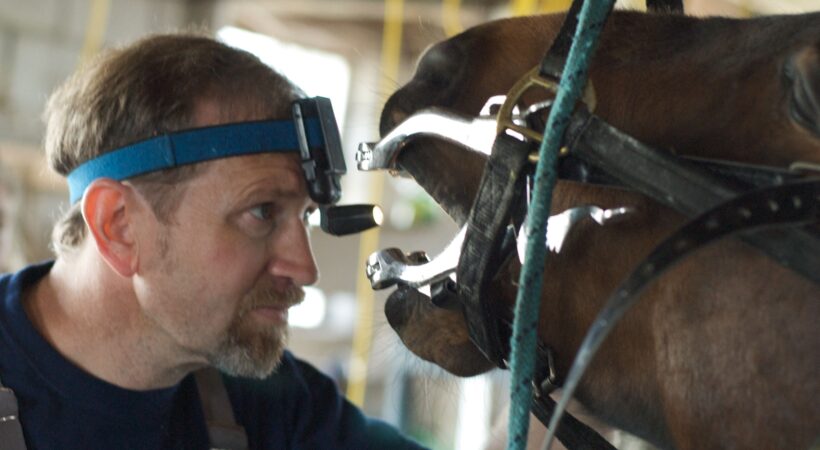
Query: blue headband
column 193, row 146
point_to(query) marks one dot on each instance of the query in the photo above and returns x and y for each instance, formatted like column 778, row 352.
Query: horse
column 721, row 351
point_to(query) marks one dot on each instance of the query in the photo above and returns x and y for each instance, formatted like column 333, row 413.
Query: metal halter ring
column 531, row 79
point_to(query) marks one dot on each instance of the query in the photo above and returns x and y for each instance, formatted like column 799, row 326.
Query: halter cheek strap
column 193, row 146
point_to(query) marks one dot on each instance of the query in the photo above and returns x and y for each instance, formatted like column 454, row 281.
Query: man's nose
column 292, row 256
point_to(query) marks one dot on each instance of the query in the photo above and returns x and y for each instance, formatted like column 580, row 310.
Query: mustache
column 270, row 297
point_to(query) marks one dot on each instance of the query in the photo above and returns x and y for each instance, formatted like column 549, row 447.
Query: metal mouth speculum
column 392, row 266
column 474, row 133
column 389, row 267
column 477, row 134
column 560, row 225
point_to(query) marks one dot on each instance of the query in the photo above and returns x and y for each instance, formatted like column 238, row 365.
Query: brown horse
column 723, row 351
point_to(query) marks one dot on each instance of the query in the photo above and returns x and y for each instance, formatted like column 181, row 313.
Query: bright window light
column 318, row 73
column 311, row 312
column 473, row 413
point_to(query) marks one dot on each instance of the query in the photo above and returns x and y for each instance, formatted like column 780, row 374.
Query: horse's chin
column 434, row 334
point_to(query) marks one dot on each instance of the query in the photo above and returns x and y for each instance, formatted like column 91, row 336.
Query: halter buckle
column 533, row 79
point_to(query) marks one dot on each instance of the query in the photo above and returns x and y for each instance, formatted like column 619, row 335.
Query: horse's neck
column 621, row 383
column 707, row 70
column 642, row 375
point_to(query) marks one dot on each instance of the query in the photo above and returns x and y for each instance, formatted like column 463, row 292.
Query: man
column 161, row 274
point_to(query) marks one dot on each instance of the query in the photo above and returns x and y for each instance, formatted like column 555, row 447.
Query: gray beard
column 250, row 350
column 246, row 352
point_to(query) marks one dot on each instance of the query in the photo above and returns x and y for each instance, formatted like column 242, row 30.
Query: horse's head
column 726, row 89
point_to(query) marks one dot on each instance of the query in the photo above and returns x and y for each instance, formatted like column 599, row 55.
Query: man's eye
column 263, row 212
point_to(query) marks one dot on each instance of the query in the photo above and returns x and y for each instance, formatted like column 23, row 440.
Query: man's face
column 219, row 279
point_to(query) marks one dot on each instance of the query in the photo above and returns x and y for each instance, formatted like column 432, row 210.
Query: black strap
column 494, row 204
column 553, row 63
column 674, row 182
column 739, row 175
column 482, row 254
column 223, row 431
column 788, row 205
column 11, row 432
column 573, row 433
column 665, row 6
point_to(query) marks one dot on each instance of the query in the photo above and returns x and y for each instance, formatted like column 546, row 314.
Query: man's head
column 215, row 252
column 149, row 88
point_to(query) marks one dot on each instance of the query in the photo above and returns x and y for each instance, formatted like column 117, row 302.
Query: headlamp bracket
column 322, row 165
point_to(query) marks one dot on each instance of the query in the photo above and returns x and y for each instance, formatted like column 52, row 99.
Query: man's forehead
column 279, row 171
column 211, row 111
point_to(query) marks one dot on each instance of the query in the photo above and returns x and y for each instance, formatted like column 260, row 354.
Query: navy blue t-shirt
column 62, row 407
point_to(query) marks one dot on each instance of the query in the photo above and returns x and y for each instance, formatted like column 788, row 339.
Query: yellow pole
column 369, row 242
column 551, row 6
column 95, row 30
column 523, row 7
column 450, row 17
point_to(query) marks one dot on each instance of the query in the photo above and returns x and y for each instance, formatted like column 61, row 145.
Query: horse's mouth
column 448, row 173
column 434, row 334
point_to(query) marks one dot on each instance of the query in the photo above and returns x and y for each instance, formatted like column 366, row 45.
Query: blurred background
column 354, row 51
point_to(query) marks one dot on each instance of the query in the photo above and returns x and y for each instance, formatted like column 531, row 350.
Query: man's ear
column 105, row 208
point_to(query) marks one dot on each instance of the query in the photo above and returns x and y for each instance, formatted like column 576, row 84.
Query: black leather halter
column 600, row 153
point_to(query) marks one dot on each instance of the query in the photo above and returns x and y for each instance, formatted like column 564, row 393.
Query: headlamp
column 312, row 132
column 348, row 219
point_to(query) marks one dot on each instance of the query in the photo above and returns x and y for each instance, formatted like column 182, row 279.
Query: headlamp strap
column 193, row 146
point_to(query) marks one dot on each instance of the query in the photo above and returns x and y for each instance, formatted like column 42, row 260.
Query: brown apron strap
column 11, row 433
column 223, row 431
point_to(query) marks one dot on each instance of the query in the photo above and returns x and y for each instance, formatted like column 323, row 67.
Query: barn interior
column 355, row 52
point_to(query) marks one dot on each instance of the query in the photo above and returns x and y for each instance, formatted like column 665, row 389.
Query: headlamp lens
column 349, row 219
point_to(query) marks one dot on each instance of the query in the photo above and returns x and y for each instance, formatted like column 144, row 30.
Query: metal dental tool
column 390, row 266
column 475, row 133
column 561, row 224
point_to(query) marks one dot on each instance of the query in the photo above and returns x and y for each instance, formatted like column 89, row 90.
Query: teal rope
column 591, row 20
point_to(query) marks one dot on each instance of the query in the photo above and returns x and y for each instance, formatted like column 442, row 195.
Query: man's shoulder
column 12, row 283
column 12, row 288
